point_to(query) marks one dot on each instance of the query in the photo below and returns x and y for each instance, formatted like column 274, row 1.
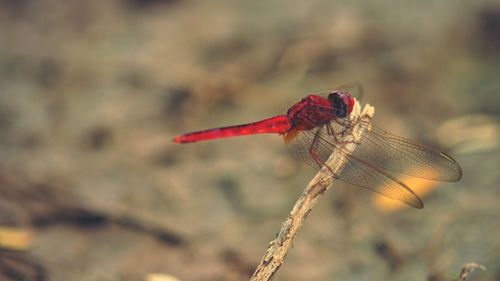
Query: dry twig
column 278, row 248
column 467, row 269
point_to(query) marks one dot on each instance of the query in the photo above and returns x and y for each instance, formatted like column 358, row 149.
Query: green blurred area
column 92, row 92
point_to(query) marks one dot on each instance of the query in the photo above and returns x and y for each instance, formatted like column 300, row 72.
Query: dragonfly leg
column 314, row 153
column 313, row 149
column 340, row 136
column 346, row 127
column 329, row 130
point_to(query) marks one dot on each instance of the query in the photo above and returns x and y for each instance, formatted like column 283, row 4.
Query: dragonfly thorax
column 310, row 112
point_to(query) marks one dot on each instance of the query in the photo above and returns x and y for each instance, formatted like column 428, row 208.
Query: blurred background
column 92, row 92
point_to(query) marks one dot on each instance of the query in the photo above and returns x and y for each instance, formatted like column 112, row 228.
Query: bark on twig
column 278, row 247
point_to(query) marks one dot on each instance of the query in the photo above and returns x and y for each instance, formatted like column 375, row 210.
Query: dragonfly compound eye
column 339, row 107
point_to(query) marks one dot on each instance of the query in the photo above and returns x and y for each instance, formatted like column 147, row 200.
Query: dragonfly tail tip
column 178, row 139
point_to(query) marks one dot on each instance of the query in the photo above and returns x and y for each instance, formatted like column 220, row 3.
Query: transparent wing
column 398, row 154
column 315, row 146
column 393, row 153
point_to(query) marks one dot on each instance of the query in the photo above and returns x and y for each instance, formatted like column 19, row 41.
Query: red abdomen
column 310, row 112
column 279, row 124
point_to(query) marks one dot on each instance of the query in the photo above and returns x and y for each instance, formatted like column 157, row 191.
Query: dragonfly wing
column 361, row 173
column 315, row 146
column 397, row 154
column 393, row 153
column 299, row 143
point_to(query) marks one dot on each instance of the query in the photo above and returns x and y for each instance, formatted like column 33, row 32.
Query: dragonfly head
column 342, row 103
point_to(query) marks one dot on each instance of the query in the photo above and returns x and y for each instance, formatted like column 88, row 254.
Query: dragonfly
column 315, row 127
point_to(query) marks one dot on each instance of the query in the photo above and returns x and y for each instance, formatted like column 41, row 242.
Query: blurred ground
column 91, row 93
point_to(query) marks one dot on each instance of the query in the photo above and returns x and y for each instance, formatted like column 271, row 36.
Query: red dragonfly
column 313, row 128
